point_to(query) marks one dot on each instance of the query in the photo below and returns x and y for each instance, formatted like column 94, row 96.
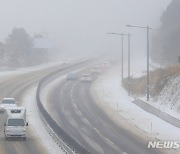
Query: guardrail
column 153, row 110
column 70, row 144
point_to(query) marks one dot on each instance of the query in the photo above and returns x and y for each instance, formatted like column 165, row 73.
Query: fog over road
column 73, row 107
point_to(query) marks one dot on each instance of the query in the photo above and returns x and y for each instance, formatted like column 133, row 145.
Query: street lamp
column 147, row 29
column 129, row 63
column 122, row 50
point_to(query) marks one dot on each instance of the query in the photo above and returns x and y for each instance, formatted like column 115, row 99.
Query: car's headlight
column 7, row 129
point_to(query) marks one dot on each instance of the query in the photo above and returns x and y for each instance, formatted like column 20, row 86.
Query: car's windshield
column 16, row 122
column 8, row 101
column 72, row 74
column 86, row 75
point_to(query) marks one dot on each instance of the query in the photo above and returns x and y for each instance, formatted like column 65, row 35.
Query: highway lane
column 76, row 111
column 15, row 86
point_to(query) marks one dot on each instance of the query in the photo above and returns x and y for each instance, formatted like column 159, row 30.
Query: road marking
column 96, row 130
column 103, row 136
column 108, row 140
column 85, row 121
column 71, row 92
column 72, row 100
column 75, row 106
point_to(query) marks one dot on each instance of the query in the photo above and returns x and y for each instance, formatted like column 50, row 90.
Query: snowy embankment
column 109, row 92
column 168, row 100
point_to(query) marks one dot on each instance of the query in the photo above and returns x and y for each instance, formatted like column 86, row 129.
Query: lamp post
column 122, row 54
column 129, row 63
column 122, row 51
column 147, row 29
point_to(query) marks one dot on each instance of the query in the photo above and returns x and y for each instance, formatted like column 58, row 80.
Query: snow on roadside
column 45, row 93
column 29, row 69
column 108, row 89
column 168, row 100
column 4, row 71
column 36, row 123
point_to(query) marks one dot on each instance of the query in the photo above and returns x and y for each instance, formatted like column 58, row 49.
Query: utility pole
column 147, row 84
column 147, row 63
column 122, row 55
column 129, row 63
column 122, row 51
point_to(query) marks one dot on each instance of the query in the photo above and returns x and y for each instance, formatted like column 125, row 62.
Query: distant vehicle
column 94, row 57
column 96, row 69
column 86, row 78
column 105, row 64
column 65, row 61
column 15, row 122
column 72, row 76
column 7, row 102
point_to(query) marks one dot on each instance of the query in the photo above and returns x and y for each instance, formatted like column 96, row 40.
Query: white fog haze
column 89, row 76
column 80, row 26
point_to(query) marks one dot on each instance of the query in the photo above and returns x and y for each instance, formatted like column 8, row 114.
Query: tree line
column 18, row 50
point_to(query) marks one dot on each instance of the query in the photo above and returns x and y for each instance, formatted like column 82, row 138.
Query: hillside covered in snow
column 169, row 97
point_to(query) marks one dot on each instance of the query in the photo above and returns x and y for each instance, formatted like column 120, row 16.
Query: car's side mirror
column 27, row 124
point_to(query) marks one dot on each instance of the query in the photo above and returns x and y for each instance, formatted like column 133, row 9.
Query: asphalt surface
column 75, row 110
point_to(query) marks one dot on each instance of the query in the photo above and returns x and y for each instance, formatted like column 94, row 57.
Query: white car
column 72, row 76
column 105, row 64
column 86, row 78
column 96, row 69
column 7, row 102
column 65, row 61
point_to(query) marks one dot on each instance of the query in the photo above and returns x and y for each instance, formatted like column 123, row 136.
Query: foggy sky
column 81, row 25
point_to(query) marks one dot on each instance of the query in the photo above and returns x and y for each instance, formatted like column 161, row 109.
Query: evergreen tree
column 19, row 47
column 166, row 44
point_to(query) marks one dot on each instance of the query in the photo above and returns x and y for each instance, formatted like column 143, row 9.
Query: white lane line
column 72, row 100
column 103, row 136
column 86, row 121
column 96, row 130
column 108, row 140
column 74, row 105
column 71, row 92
